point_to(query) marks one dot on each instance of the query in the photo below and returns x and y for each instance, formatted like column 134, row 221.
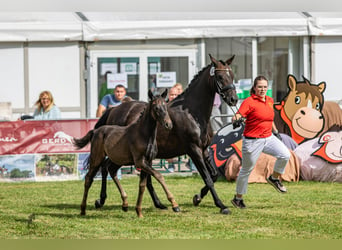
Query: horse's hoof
column 98, row 204
column 161, row 206
column 196, row 200
column 125, row 209
column 82, row 213
column 176, row 209
column 225, row 211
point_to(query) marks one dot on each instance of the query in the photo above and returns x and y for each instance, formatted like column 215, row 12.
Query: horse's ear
column 321, row 86
column 164, row 94
column 292, row 82
column 230, row 60
column 213, row 60
column 306, row 80
column 150, row 94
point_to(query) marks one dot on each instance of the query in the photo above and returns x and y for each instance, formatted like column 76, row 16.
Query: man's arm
column 100, row 110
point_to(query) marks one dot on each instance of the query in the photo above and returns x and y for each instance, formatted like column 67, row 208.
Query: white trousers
column 251, row 150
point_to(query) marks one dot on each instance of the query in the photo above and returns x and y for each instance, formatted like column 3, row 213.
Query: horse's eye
column 318, row 106
column 297, row 100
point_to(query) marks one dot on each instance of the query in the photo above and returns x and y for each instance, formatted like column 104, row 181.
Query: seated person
column 46, row 107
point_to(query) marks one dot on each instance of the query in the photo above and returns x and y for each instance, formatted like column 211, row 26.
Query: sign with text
column 129, row 68
column 166, row 79
column 47, row 136
column 116, row 79
column 112, row 67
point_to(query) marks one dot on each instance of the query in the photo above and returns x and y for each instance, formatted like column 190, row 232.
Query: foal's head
column 159, row 109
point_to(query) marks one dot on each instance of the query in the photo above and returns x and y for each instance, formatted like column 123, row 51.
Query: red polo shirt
column 259, row 116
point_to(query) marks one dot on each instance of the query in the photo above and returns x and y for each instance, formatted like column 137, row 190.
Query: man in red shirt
column 257, row 110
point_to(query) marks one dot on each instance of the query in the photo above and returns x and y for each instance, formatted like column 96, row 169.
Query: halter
column 219, row 89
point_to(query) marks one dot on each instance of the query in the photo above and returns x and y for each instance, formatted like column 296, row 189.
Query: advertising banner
column 29, row 137
column 43, row 150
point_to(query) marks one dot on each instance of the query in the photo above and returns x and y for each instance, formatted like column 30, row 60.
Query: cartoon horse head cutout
column 301, row 109
column 331, row 148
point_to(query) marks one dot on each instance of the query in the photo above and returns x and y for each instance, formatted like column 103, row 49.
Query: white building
column 69, row 52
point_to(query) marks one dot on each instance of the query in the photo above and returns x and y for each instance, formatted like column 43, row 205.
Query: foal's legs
column 142, row 185
column 103, row 195
column 87, row 184
column 160, row 178
column 112, row 171
column 147, row 169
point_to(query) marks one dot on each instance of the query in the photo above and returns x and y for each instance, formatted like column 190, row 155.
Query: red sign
column 30, row 137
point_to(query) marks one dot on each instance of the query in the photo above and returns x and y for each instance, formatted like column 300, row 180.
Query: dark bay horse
column 132, row 144
column 191, row 133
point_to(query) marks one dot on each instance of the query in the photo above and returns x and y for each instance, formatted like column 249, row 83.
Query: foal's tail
column 82, row 142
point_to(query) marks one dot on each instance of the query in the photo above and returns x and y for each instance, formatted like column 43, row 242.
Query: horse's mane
column 146, row 108
column 191, row 85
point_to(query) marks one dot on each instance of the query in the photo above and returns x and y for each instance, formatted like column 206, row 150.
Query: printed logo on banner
column 59, row 138
column 8, row 139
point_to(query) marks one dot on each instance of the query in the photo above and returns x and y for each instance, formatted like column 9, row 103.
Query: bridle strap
column 219, row 89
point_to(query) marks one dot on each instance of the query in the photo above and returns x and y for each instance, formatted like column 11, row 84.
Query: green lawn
column 50, row 210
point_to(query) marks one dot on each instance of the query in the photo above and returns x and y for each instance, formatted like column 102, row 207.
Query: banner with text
column 30, row 137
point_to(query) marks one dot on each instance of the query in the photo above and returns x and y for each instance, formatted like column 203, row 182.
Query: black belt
column 247, row 137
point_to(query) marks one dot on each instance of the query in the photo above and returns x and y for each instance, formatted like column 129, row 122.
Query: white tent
column 97, row 26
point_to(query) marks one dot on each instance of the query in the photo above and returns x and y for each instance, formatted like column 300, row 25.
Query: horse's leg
column 197, row 156
column 214, row 176
column 87, row 184
column 103, row 195
column 157, row 203
column 142, row 185
column 159, row 177
column 112, row 171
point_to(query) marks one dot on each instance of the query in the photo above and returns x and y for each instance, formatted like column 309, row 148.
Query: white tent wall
column 27, row 70
column 56, row 67
column 45, row 50
column 12, row 74
column 327, row 52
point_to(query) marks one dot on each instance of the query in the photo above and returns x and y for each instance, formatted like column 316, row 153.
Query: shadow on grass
column 76, row 208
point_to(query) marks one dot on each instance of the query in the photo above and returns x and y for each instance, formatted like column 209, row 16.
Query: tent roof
column 95, row 26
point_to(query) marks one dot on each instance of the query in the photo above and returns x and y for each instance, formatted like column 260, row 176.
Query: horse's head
column 303, row 107
column 159, row 109
column 224, row 80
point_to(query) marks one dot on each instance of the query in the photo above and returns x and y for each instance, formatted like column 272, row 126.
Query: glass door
column 118, row 70
column 138, row 71
column 165, row 72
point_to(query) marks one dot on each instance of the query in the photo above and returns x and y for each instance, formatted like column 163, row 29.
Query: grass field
column 50, row 210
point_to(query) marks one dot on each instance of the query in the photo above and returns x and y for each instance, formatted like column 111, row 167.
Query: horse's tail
column 103, row 119
column 82, row 142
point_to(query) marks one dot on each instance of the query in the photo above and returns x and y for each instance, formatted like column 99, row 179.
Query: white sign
column 113, row 67
column 129, row 68
column 166, row 79
column 115, row 79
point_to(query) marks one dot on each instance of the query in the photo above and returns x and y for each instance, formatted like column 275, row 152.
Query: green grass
column 310, row 210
